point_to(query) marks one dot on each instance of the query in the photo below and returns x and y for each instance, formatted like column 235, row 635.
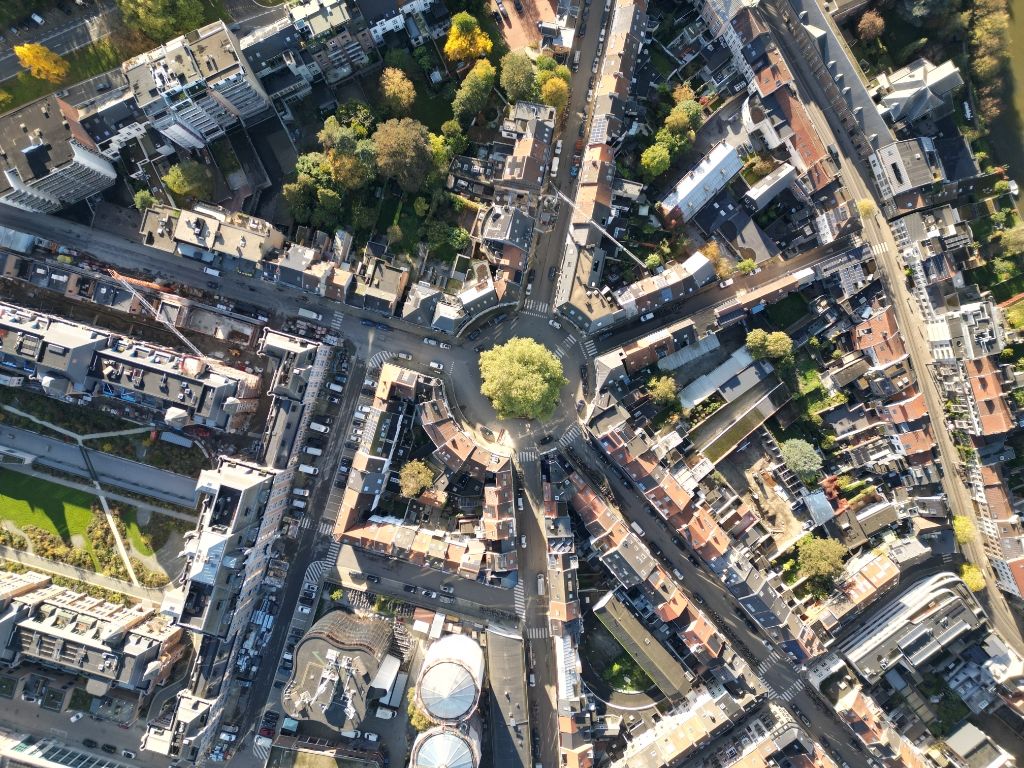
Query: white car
column 645, row 318
column 445, row 345
column 554, row 324
column 522, row 541
column 436, row 365
column 77, row 716
column 429, row 593
column 430, row 341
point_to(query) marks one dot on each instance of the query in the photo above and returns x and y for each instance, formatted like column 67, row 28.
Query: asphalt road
column 112, row 470
column 61, row 34
column 857, row 176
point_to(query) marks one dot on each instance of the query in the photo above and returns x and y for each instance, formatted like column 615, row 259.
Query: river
column 1007, row 133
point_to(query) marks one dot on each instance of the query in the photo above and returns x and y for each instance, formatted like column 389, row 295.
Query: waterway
column 1007, row 133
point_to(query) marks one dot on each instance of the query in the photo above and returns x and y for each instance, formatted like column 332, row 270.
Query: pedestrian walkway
column 379, row 359
column 527, row 456
column 537, row 633
column 519, row 595
column 337, row 319
column 536, row 308
column 770, row 661
column 37, row 563
column 571, row 435
column 789, row 693
column 589, row 347
column 261, row 749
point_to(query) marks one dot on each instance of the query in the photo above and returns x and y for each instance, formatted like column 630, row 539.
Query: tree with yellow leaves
column 41, row 62
column 973, row 577
column 466, row 40
column 555, row 92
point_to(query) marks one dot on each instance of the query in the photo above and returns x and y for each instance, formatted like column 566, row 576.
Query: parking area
column 518, row 25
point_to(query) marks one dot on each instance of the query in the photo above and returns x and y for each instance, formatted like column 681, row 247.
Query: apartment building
column 75, row 362
column 110, row 645
column 48, row 160
column 195, row 87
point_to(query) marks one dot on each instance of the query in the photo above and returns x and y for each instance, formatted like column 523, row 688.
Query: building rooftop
column 37, row 138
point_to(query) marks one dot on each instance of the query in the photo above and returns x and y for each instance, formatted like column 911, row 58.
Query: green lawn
column 624, row 674
column 661, row 62
column 139, row 540
column 26, row 500
column 784, row 313
column 432, row 108
column 156, row 533
column 92, row 60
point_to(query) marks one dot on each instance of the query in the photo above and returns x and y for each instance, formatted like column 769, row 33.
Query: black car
column 518, row 6
column 478, row 348
column 372, row 578
column 90, row 743
column 474, row 335
column 583, row 127
column 410, row 589
column 110, row 749
column 552, row 271
column 546, row 439
column 211, row 284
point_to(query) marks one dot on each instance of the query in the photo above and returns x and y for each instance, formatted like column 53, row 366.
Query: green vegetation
column 820, row 560
column 467, row 40
column 522, row 379
column 7, row 686
column 963, row 529
column 157, row 532
column 785, row 312
column 624, row 674
column 950, row 709
column 160, row 20
column 973, row 577
column 763, row 345
column 417, row 717
column 676, row 135
column 31, row 501
column 415, row 477
column 189, row 179
column 662, row 389
column 802, row 459
column 81, row 700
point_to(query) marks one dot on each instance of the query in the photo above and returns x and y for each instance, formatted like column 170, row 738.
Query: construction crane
column 142, row 300
column 599, row 228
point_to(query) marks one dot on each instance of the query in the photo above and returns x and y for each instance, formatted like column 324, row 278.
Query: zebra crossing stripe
column 262, row 752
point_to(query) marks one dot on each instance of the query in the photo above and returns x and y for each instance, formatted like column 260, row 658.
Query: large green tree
column 160, row 20
column 655, row 160
column 144, row 199
column 522, row 379
column 820, row 558
column 764, row 345
column 663, row 390
column 517, row 78
column 474, row 91
column 403, row 152
column 414, row 478
column 801, row 458
column 189, row 179
column 396, row 91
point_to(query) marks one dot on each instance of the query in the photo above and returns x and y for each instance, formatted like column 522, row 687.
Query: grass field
column 26, row 500
column 784, row 313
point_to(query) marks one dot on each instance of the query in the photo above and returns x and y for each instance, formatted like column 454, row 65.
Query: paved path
column 37, row 563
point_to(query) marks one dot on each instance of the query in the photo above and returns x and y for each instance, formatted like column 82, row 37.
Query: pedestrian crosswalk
column 537, row 633
column 536, row 308
column 261, row 749
column 314, row 571
column 570, row 436
column 519, row 595
column 879, row 249
column 561, row 349
column 527, row 456
column 332, row 553
column 787, row 694
column 589, row 347
column 336, row 320
column 770, row 660
column 378, row 360
column 326, row 528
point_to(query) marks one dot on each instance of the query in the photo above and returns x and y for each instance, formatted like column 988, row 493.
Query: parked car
column 90, row 743
column 410, row 589
column 448, row 589
column 474, row 335
column 77, row 716
column 552, row 271
column 373, row 578
column 429, row 593
column 110, row 749
column 128, row 753
column 546, row 439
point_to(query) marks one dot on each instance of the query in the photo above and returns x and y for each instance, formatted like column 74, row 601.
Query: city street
column 61, row 34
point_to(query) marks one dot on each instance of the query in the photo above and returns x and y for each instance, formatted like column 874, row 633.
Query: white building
column 705, row 180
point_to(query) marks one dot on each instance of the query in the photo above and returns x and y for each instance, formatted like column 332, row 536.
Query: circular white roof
column 442, row 749
column 448, row 690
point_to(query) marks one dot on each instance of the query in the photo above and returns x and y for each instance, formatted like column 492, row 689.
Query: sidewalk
column 37, row 563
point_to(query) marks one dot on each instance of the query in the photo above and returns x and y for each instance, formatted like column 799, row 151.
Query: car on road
column 726, row 283
column 333, row 400
column 373, row 578
column 855, row 743
column 436, row 365
column 430, row 341
column 268, row 732
column 552, row 271
column 698, row 599
column 90, row 743
column 646, row 317
column 429, row 593
column 800, row 714
column 410, row 589
column 474, row 335
column 478, row 348
column 445, row 345
column 546, row 439
column 110, row 749
column 554, row 323
column 383, row 327
column 574, row 171
column 447, row 600
column 522, row 541
column 77, row 716
column 448, row 589
column 128, row 753
column 212, row 284
column 693, row 560
column 366, row 323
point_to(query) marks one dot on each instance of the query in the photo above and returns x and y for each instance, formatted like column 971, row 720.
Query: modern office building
column 196, row 86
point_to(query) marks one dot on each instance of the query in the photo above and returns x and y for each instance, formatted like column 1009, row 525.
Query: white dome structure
column 451, row 679
column 446, row 748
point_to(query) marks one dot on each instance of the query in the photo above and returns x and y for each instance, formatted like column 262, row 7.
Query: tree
column 1001, row 187
column 871, row 26
column 556, row 93
column 1012, row 240
column 143, row 200
column 417, row 717
column 655, row 160
column 394, row 233
column 397, row 91
column 746, row 266
column 403, row 153
column 414, row 478
column 675, row 143
column 475, row 89
column 328, row 209
column 973, row 577
column 919, row 11
column 772, row 346
column 963, row 529
column 5, row 98
column 41, row 62
column 663, row 390
column 685, row 116
column 421, row 207
column 458, row 238
column 522, row 379
column 683, row 92
column 819, row 558
column 653, row 261
column 300, row 197
column 455, row 138
column 517, row 76
column 160, row 20
column 189, row 179
column 338, row 595
column 801, row 458
column 866, row 208
column 466, row 40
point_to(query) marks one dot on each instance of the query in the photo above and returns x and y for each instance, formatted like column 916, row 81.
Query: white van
column 211, row 271
column 436, row 365
column 335, row 387
column 300, row 492
column 311, row 450
column 385, row 713
column 540, row 583
column 298, row 504
column 306, row 469
column 636, row 527
column 576, row 61
column 323, row 430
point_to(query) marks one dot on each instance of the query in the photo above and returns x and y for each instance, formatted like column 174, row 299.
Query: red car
column 269, row 732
